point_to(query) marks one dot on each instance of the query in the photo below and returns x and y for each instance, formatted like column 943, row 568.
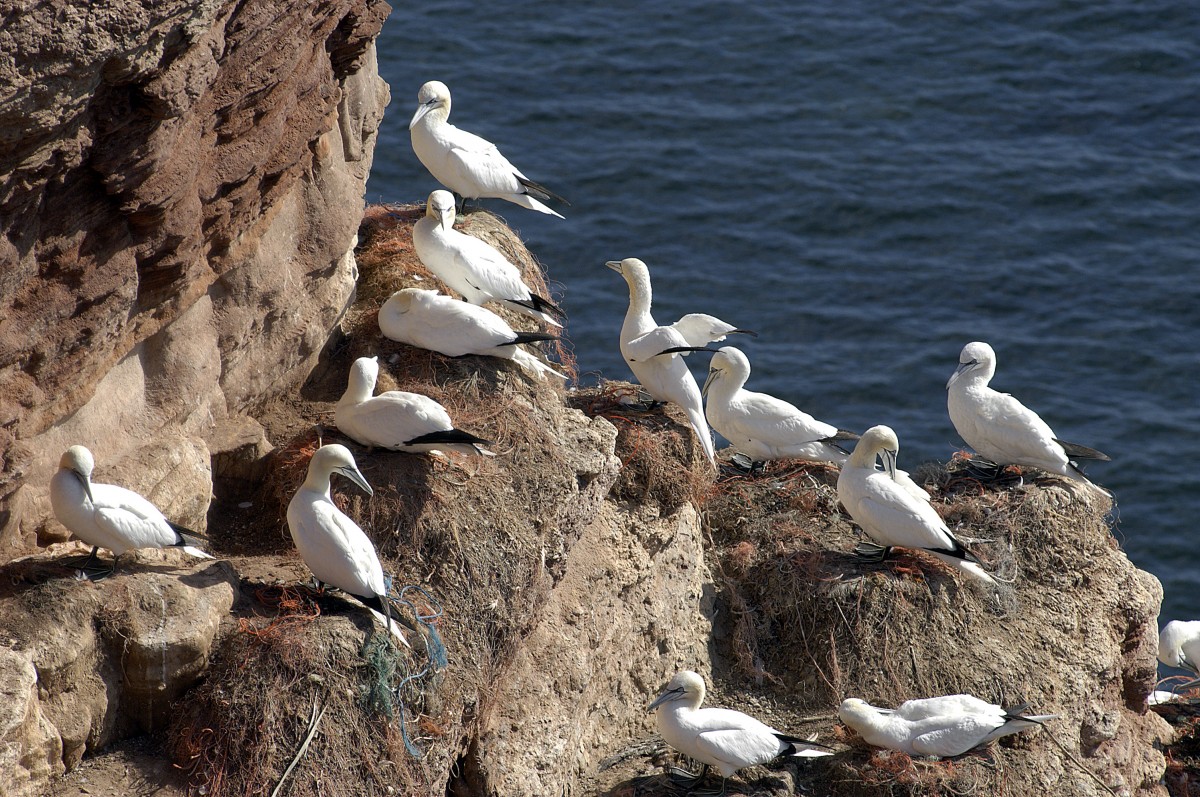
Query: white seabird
column 474, row 269
column 468, row 165
column 108, row 516
column 700, row 329
column 397, row 420
column 647, row 348
column 941, row 727
column 726, row 739
column 1179, row 646
column 761, row 426
column 889, row 513
column 428, row 320
column 1002, row 429
column 333, row 546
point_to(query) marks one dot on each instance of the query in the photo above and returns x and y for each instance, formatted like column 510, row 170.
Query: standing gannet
column 941, row 727
column 726, row 739
column 428, row 320
column 472, row 268
column 761, row 426
column 888, row 512
column 1002, row 429
column 108, row 516
column 397, row 420
column 1179, row 646
column 468, row 165
column 335, row 549
column 644, row 345
column 700, row 329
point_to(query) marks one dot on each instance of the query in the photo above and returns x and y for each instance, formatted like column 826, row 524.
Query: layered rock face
column 182, row 187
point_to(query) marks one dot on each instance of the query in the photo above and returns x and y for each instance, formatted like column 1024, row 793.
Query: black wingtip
column 749, row 332
column 534, row 189
column 679, row 349
column 1076, row 451
column 532, row 337
column 185, row 536
column 447, row 437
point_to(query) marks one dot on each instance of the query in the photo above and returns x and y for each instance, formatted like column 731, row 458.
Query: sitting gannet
column 397, row 420
column 474, row 269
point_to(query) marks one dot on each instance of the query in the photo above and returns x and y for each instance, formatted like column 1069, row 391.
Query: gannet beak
column 615, row 265
column 87, row 484
column 421, row 111
column 354, row 475
column 713, row 373
column 670, row 694
column 889, row 462
column 962, row 369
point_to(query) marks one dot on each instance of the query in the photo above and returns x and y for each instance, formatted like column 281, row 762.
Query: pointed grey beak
column 421, row 111
column 962, row 369
column 889, row 462
column 615, row 265
column 354, row 475
column 713, row 373
column 87, row 485
column 670, row 694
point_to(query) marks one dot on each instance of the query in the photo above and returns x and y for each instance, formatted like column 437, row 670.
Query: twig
column 312, row 731
column 1079, row 763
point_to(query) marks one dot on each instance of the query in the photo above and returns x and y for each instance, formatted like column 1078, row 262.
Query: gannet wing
column 125, row 515
column 951, row 736
column 775, row 422
column 653, row 343
column 901, row 518
column 478, row 162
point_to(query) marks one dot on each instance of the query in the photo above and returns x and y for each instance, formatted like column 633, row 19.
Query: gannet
column 1002, row 429
column 429, row 320
column 397, row 420
column 468, row 165
column 726, row 739
column 335, row 549
column 888, row 512
column 1179, row 646
column 643, row 342
column 761, row 426
column 700, row 329
column 472, row 268
column 940, row 727
column 108, row 516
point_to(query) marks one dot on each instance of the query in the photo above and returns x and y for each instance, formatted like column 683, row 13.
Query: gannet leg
column 870, row 552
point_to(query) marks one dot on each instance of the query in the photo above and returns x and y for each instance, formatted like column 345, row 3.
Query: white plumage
column 473, row 268
column 1002, row 429
column 664, row 376
column 397, row 420
column 726, row 739
column 429, row 320
column 468, row 165
column 108, row 516
column 1179, row 645
column 761, row 426
column 701, row 329
column 333, row 546
column 941, row 726
column 888, row 512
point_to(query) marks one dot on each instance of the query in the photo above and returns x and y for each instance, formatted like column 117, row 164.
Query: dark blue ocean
column 870, row 186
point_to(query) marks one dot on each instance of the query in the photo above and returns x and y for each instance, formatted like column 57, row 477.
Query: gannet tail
column 374, row 605
column 700, row 427
column 530, row 309
column 194, row 551
column 456, row 438
column 532, row 364
column 526, row 201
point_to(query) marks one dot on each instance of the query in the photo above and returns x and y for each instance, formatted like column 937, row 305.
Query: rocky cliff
column 184, row 290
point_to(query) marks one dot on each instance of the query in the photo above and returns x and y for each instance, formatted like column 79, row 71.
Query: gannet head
column 433, row 95
column 878, row 441
column 402, row 300
column 856, row 713
column 440, row 207
column 686, row 687
column 975, row 356
column 78, row 460
column 364, row 373
column 636, row 274
column 728, row 361
column 336, row 458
